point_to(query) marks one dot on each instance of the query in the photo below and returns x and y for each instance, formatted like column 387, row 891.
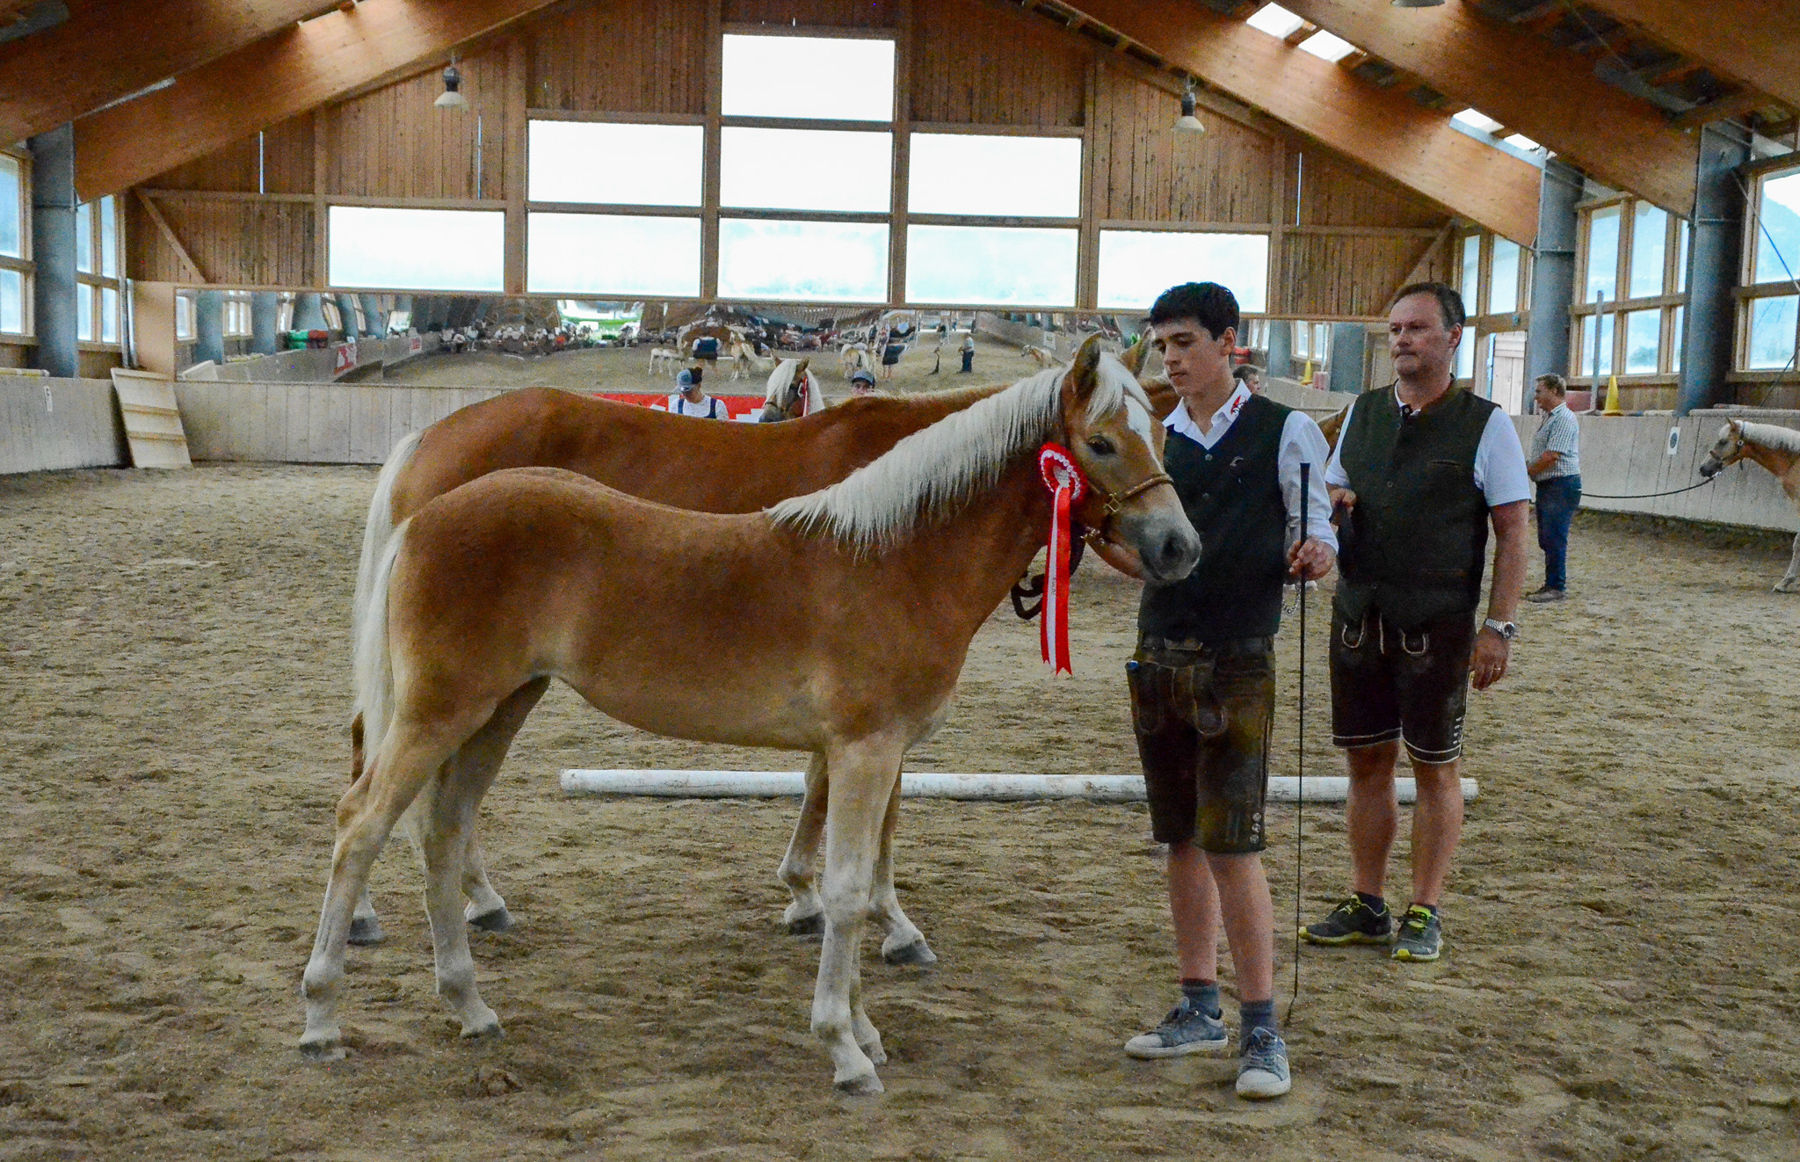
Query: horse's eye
column 1100, row 446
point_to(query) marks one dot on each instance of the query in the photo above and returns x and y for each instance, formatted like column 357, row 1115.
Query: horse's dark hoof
column 918, row 953
column 499, row 920
column 813, row 925
column 366, row 930
column 321, row 1051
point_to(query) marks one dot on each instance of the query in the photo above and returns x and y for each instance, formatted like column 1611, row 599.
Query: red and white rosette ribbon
column 1066, row 485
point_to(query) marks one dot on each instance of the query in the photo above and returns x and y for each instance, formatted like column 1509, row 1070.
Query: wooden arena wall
column 251, row 215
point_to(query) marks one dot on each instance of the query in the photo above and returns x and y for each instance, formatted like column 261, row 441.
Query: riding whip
column 1300, row 732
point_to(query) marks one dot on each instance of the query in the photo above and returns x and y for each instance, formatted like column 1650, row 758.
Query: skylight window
column 1275, row 20
column 1520, row 141
column 1476, row 119
column 1327, row 47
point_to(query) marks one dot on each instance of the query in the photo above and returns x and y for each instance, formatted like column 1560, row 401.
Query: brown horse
column 864, row 634
column 664, row 458
column 793, row 392
column 1775, row 448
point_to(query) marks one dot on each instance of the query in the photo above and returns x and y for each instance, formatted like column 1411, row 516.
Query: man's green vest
column 1417, row 541
column 1232, row 496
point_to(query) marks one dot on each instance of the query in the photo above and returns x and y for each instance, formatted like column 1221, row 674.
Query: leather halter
column 1115, row 501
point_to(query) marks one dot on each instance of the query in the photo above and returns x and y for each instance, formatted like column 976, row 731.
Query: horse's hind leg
column 477, row 762
column 443, row 828
column 1791, row 582
column 365, row 816
column 905, row 944
column 805, row 915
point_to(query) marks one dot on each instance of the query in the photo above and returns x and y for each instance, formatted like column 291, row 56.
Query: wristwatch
column 1508, row 630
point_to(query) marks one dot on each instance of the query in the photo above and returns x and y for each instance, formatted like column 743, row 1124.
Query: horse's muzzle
column 1710, row 468
column 1169, row 553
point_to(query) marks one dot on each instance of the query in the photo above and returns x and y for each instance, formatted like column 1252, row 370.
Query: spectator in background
column 968, row 351
column 690, row 400
column 862, row 382
column 1250, row 375
column 1556, row 467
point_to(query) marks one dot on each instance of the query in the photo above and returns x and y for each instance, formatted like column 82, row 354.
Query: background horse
column 1775, row 448
column 854, row 659
column 1042, row 356
column 854, row 357
column 793, row 392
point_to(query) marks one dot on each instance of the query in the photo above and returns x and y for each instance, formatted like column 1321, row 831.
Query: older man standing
column 1556, row 466
column 1420, row 472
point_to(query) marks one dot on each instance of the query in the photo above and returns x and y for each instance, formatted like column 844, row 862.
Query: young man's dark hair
column 1214, row 306
column 1450, row 304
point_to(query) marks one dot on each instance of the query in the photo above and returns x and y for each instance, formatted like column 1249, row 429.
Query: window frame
column 1672, row 299
column 25, row 264
column 1749, row 294
column 96, row 286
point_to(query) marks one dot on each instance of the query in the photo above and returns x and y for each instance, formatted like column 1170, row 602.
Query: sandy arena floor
column 1619, row 981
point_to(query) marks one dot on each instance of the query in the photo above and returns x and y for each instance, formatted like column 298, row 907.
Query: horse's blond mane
column 933, row 472
column 1770, row 436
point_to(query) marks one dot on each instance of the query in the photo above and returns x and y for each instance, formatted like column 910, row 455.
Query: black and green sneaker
column 1421, row 935
column 1351, row 922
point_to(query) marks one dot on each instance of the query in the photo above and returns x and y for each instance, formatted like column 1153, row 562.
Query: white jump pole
column 932, row 785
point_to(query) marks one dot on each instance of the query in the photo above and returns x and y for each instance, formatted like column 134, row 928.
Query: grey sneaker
column 1421, row 935
column 1351, row 922
column 1263, row 1067
column 1185, row 1030
column 1541, row 596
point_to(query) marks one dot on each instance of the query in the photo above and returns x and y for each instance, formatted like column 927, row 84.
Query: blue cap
column 685, row 379
column 862, row 376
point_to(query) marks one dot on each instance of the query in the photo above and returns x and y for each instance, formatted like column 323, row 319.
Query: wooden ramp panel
column 152, row 419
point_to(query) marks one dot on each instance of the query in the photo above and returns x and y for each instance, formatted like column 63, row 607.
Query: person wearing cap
column 862, row 381
column 692, row 401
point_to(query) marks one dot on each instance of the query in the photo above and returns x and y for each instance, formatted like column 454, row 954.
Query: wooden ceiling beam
column 103, row 52
column 1518, row 80
column 1383, row 130
column 1749, row 41
column 280, row 76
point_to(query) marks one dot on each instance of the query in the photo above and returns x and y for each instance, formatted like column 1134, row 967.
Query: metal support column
column 1348, row 345
column 1709, row 322
column 309, row 315
column 209, row 327
column 1553, row 273
column 265, row 322
column 54, row 289
column 1281, row 349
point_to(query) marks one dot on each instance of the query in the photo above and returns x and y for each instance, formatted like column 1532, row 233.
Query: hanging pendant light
column 451, row 98
column 1187, row 122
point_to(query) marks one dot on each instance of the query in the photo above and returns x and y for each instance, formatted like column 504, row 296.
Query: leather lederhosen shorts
column 1412, row 685
column 1202, row 714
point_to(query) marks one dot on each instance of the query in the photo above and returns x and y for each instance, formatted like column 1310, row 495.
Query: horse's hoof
column 813, row 925
column 486, row 1031
column 321, row 1051
column 863, row 1085
column 366, row 930
column 499, row 920
column 874, row 1052
column 918, row 954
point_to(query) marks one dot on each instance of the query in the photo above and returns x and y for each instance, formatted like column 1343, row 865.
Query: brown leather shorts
column 1202, row 714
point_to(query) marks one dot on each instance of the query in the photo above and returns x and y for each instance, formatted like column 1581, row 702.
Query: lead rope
column 1300, row 765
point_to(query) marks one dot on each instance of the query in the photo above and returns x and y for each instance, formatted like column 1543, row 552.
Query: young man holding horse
column 1420, row 472
column 1203, row 682
column 691, row 400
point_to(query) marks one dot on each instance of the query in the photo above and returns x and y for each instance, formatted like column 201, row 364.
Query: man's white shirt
column 1499, row 460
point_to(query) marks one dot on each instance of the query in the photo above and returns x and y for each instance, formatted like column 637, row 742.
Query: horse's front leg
column 805, row 914
column 1791, row 582
column 905, row 944
column 864, row 777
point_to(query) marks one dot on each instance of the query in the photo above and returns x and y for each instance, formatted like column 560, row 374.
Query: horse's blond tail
column 380, row 525
column 374, row 669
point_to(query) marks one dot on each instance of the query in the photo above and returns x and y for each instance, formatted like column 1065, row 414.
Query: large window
column 452, row 250
column 1770, row 313
column 604, row 164
column 820, row 78
column 978, row 173
column 15, row 246
column 761, row 169
column 97, row 246
column 1630, row 294
column 1005, row 266
column 822, row 261
column 581, row 254
column 1138, row 265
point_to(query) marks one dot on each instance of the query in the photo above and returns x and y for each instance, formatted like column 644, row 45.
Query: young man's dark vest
column 1417, row 541
column 1232, row 494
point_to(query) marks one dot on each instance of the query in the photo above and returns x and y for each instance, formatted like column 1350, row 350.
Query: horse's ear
column 800, row 371
column 1135, row 356
column 1086, row 372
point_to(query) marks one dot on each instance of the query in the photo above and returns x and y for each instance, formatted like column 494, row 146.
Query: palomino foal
column 1775, row 448
column 855, row 659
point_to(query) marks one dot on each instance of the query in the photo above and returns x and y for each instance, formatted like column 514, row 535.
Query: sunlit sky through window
column 1326, row 46
column 1476, row 119
column 1275, row 20
column 837, row 78
column 376, row 246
